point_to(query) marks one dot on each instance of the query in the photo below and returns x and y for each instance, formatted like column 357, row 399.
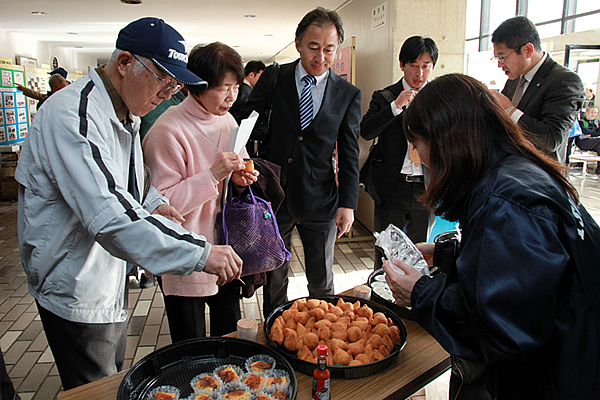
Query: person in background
column 253, row 71
column 541, row 95
column 186, row 151
column 313, row 112
column 80, row 222
column 56, row 82
column 149, row 119
column 397, row 176
column 38, row 95
column 517, row 303
column 590, row 132
column 589, row 123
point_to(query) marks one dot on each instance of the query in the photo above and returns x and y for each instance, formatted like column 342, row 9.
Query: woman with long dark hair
column 517, row 304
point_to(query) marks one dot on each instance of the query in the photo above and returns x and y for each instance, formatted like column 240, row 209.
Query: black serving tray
column 179, row 363
column 338, row 371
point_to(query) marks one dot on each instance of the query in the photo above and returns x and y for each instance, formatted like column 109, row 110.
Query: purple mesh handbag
column 248, row 225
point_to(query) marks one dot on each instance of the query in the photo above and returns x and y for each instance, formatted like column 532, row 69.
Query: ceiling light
column 72, row 33
column 249, row 16
column 38, row 13
column 131, row 1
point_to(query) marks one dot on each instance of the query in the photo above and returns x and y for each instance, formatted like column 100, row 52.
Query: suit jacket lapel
column 329, row 97
column 537, row 81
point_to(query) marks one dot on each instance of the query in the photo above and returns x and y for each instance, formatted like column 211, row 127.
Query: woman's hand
column 242, row 178
column 427, row 250
column 401, row 285
column 226, row 163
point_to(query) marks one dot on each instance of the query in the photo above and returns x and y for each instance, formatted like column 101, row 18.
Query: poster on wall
column 19, row 80
column 7, row 78
column 10, row 116
column 22, row 131
column 14, row 113
column 341, row 64
column 20, row 99
column 11, row 133
column 9, row 100
column 21, row 115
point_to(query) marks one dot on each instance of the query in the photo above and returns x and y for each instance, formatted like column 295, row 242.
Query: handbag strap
column 229, row 203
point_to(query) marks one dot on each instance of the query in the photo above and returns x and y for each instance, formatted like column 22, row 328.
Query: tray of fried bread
column 362, row 337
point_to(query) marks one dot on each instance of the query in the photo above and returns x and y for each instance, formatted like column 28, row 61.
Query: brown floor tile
column 25, row 364
column 35, row 378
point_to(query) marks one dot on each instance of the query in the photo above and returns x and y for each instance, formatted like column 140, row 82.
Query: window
column 581, row 15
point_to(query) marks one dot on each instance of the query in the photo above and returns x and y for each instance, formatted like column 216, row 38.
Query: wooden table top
column 421, row 361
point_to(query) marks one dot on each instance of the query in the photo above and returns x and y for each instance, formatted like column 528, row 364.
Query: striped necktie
column 306, row 102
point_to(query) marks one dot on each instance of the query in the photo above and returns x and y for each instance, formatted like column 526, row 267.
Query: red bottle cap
column 322, row 350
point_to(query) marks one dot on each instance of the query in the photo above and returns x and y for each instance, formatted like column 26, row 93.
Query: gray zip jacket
column 77, row 223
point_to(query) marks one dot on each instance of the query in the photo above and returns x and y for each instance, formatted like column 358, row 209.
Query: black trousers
column 84, row 352
column 186, row 314
column 318, row 241
column 587, row 143
column 403, row 210
column 7, row 390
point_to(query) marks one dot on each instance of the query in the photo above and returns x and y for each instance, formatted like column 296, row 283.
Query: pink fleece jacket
column 179, row 149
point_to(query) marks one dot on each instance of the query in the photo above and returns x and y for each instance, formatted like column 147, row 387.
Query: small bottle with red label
column 321, row 382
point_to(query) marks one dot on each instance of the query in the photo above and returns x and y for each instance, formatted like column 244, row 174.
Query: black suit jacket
column 238, row 106
column 550, row 106
column 305, row 157
column 380, row 122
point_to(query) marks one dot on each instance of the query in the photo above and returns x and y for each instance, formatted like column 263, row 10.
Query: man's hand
column 343, row 220
column 223, row 262
column 502, row 99
column 405, row 97
column 169, row 212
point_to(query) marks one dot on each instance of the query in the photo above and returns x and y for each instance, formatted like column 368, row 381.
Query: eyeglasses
column 164, row 84
column 502, row 59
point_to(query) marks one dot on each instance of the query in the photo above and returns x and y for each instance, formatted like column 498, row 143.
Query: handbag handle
column 228, row 203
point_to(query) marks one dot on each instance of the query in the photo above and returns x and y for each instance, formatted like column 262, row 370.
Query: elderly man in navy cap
column 82, row 220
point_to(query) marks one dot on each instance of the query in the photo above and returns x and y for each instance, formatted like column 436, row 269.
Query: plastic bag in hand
column 395, row 244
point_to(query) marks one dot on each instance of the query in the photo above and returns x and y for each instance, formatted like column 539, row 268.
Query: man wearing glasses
column 541, row 95
column 82, row 222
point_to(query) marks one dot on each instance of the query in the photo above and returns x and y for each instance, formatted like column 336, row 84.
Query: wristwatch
column 510, row 109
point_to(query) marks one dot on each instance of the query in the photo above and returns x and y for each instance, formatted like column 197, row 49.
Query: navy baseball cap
column 60, row 70
column 154, row 38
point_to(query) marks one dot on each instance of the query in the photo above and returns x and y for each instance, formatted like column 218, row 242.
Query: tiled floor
column 29, row 360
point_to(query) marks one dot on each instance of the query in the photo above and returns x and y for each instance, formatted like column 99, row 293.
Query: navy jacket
column 519, row 310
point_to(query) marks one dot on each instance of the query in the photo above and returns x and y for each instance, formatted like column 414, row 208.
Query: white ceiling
column 97, row 22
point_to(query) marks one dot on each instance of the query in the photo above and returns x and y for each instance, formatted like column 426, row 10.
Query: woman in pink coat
column 186, row 150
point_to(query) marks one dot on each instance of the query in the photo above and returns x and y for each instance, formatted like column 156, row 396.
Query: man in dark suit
column 396, row 177
column 541, row 95
column 312, row 110
column 253, row 70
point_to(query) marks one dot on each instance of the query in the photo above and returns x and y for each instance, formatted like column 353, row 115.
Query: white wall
column 377, row 50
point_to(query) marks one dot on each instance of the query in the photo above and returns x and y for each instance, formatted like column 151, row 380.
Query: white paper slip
column 241, row 134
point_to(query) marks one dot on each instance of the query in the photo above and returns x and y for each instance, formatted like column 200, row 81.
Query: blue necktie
column 306, row 102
